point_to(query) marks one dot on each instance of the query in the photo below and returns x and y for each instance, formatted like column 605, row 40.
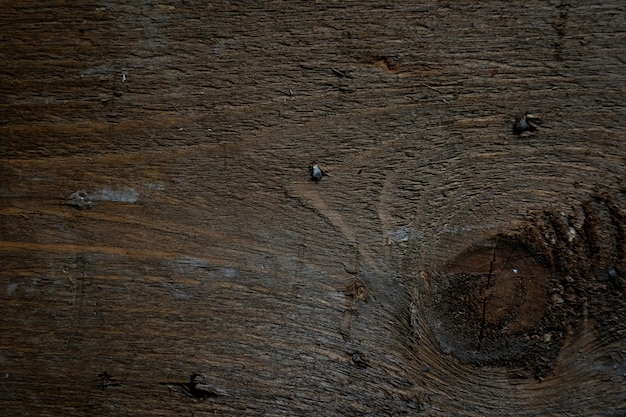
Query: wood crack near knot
column 197, row 388
column 483, row 323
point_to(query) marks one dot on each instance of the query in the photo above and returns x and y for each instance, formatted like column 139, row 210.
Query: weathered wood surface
column 207, row 250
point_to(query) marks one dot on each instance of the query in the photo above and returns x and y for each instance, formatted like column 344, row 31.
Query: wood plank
column 208, row 274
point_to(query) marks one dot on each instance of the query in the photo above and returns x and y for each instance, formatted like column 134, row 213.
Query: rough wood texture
column 445, row 266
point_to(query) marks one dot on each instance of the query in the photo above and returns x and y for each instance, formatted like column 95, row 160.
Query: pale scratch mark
column 312, row 199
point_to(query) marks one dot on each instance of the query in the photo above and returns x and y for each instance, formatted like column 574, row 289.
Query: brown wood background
column 207, row 250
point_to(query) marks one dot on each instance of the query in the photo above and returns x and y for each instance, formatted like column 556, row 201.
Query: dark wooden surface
column 207, row 250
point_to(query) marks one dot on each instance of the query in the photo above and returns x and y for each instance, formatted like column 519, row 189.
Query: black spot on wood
column 614, row 278
column 79, row 200
column 359, row 360
column 107, row 380
column 197, row 388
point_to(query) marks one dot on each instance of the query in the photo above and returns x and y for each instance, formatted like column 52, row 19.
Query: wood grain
column 208, row 251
